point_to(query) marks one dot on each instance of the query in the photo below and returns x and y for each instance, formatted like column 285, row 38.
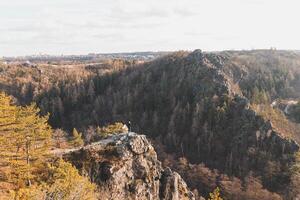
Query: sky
column 30, row 27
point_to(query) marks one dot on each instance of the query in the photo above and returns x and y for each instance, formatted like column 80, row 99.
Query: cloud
column 76, row 26
column 108, row 36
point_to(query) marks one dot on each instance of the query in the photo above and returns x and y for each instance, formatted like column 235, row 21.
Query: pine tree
column 25, row 138
column 91, row 91
column 7, row 133
column 66, row 183
column 63, row 183
column 255, row 95
column 31, row 143
column 59, row 138
column 76, row 138
column 215, row 195
column 7, row 117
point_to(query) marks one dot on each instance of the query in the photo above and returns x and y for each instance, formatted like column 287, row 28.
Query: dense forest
column 209, row 114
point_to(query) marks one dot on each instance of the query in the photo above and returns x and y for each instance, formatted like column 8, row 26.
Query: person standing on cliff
column 129, row 126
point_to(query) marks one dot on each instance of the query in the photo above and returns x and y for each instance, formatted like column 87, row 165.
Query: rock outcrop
column 125, row 166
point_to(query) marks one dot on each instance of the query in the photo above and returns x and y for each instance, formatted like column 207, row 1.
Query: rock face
column 125, row 166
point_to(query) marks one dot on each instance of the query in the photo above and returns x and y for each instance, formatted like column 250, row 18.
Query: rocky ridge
column 125, row 166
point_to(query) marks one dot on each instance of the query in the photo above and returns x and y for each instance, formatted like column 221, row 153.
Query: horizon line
column 146, row 51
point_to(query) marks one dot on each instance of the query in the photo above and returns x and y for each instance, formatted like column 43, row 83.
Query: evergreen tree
column 255, row 95
column 66, row 183
column 91, row 91
column 63, row 183
column 7, row 117
column 25, row 138
column 215, row 195
column 7, row 133
column 76, row 138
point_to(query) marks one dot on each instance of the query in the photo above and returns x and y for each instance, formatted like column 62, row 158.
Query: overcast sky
column 85, row 26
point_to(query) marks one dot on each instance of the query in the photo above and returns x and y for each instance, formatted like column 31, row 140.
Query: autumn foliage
column 26, row 164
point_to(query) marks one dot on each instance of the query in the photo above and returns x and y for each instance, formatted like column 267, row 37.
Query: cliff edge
column 125, row 166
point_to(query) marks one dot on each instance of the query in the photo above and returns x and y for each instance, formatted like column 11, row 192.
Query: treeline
column 26, row 82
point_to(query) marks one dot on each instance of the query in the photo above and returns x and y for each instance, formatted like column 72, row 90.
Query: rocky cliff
column 125, row 166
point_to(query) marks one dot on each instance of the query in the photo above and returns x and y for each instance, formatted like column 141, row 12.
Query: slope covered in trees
column 208, row 107
column 265, row 75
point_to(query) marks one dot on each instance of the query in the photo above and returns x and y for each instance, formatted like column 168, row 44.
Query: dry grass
column 279, row 121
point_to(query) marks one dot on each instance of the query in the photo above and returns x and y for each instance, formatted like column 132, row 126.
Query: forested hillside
column 210, row 108
column 265, row 75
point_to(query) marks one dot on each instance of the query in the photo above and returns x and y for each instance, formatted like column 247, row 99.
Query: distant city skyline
column 73, row 27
